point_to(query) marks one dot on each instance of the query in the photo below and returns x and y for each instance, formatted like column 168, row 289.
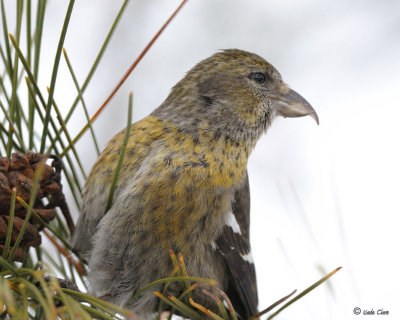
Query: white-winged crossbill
column 184, row 186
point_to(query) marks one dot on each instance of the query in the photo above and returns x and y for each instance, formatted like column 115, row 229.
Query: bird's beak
column 288, row 103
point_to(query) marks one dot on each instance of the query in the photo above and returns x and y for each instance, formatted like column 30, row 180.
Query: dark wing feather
column 235, row 248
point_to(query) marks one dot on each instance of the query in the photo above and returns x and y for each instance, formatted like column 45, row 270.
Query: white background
column 322, row 196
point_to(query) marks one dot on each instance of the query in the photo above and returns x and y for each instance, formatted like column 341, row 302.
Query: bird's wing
column 234, row 246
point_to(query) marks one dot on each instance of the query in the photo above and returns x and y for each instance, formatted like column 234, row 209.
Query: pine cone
column 18, row 174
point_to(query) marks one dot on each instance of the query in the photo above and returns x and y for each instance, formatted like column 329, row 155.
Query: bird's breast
column 190, row 186
column 180, row 185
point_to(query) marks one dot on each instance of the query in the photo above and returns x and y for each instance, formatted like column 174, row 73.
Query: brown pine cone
column 18, row 174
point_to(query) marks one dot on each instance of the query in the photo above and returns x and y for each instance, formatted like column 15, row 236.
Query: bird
column 183, row 186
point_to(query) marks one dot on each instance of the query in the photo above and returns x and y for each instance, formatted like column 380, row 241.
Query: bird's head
column 235, row 92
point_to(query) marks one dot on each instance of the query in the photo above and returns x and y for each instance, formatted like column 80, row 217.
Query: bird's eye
column 259, row 77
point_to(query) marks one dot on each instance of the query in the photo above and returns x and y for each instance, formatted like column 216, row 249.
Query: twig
column 258, row 315
column 65, row 253
column 135, row 63
column 126, row 75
